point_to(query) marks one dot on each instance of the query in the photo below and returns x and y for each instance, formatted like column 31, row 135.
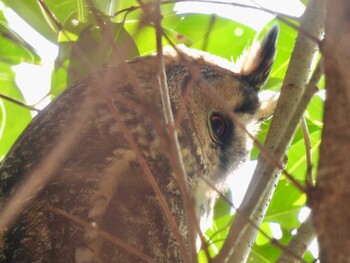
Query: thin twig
column 307, row 143
column 19, row 103
column 147, row 173
column 280, row 16
column 176, row 158
column 208, row 31
column 134, row 8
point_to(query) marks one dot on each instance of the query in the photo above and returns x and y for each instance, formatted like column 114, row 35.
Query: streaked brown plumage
column 101, row 181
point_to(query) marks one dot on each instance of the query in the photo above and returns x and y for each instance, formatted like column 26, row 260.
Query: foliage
column 220, row 36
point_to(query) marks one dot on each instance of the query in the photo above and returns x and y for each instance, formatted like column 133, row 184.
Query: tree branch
column 242, row 234
column 299, row 243
column 330, row 198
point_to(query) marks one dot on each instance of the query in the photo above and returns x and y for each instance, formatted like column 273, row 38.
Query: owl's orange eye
column 218, row 125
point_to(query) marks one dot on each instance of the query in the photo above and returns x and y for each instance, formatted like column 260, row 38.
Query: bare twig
column 133, row 8
column 19, row 103
column 176, row 158
column 285, row 18
column 208, row 31
column 147, row 173
column 307, row 142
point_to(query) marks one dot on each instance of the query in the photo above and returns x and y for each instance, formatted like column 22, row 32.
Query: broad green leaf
column 202, row 257
column 130, row 10
column 224, row 37
column 261, row 136
column 96, row 47
column 268, row 253
column 285, row 45
column 99, row 51
column 30, row 11
column 13, row 48
column 297, row 156
column 223, row 218
column 145, row 37
column 262, row 239
column 218, row 232
column 304, row 2
column 309, row 257
column 314, row 112
column 13, row 118
column 285, row 205
column 40, row 18
column 108, row 7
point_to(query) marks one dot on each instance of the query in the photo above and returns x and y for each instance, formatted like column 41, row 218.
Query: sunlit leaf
column 284, row 208
column 13, row 48
column 297, row 157
column 14, row 118
column 223, row 37
column 95, row 47
column 267, row 253
column 262, row 239
column 285, row 45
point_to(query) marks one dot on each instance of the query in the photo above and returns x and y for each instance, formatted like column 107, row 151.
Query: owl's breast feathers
column 105, row 181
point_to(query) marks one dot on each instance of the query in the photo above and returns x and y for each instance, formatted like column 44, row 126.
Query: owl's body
column 102, row 179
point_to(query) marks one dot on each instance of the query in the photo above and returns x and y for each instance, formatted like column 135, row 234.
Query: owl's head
column 220, row 99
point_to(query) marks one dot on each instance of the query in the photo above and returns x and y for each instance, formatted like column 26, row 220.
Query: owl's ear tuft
column 257, row 63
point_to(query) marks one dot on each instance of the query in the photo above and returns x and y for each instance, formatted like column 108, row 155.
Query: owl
column 109, row 185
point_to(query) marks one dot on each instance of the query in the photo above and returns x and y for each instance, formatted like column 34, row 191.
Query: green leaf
column 297, row 157
column 30, row 11
column 305, row 2
column 268, row 253
column 40, row 18
column 314, row 112
column 13, row 118
column 261, row 136
column 107, row 7
column 285, row 45
column 217, row 233
column 262, row 239
column 285, row 205
column 13, row 48
column 224, row 37
column 95, row 44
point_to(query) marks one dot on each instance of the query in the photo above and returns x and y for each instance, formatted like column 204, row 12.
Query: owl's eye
column 218, row 125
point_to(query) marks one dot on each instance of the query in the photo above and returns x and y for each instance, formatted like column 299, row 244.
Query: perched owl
column 112, row 124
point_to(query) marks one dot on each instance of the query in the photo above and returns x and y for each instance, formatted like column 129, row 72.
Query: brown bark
column 331, row 211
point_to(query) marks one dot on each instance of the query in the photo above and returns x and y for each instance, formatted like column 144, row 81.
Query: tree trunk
column 330, row 201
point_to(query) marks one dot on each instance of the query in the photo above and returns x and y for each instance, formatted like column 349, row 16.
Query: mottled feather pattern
column 101, row 181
